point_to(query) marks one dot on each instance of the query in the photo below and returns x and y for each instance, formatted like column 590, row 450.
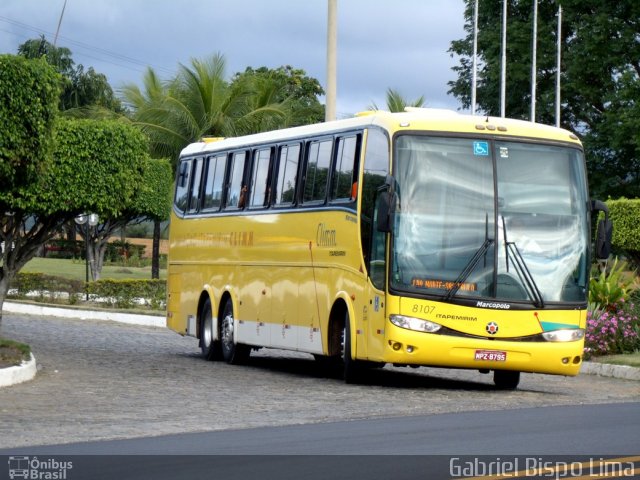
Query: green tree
column 199, row 102
column 150, row 201
column 288, row 86
column 600, row 77
column 94, row 166
column 397, row 103
column 28, row 97
column 81, row 89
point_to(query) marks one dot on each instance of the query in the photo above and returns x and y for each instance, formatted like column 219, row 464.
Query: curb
column 129, row 318
column 18, row 374
column 608, row 370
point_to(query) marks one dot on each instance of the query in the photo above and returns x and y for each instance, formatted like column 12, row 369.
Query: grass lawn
column 75, row 269
column 629, row 359
column 12, row 353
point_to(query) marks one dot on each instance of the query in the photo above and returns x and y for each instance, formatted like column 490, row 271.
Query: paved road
column 583, row 430
column 109, row 381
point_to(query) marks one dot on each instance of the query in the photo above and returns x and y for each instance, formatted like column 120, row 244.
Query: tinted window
column 260, row 179
column 376, row 167
column 182, row 185
column 317, row 170
column 237, row 188
column 195, row 186
column 287, row 172
column 214, row 183
column 343, row 181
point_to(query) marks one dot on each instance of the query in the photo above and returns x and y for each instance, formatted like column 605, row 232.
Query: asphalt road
column 610, row 430
column 426, row 446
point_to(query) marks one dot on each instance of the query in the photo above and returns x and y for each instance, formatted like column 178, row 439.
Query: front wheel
column 506, row 379
column 232, row 352
column 352, row 368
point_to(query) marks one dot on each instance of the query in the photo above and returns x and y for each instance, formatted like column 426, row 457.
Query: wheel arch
column 342, row 306
column 207, row 294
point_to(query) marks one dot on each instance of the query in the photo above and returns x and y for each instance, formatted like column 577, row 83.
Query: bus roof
column 412, row 119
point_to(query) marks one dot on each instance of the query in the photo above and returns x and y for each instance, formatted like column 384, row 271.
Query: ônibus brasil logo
column 33, row 468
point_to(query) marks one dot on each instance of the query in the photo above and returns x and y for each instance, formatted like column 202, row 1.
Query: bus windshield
column 490, row 219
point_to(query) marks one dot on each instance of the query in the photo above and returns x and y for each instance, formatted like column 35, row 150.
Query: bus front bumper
column 408, row 347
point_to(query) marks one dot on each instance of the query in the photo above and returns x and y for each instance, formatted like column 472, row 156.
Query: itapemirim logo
column 38, row 469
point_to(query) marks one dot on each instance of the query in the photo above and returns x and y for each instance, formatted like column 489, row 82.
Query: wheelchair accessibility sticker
column 481, row 149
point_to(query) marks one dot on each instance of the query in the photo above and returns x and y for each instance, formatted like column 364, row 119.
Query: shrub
column 46, row 287
column 626, row 230
column 612, row 285
column 129, row 293
column 612, row 331
column 115, row 293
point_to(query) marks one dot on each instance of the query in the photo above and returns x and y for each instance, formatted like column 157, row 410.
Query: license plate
column 491, row 355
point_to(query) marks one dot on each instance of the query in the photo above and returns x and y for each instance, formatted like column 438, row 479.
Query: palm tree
column 200, row 102
column 397, row 103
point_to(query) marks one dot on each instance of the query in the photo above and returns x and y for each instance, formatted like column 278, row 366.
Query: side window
column 344, row 178
column 376, row 168
column 317, row 170
column 183, row 181
column 287, row 174
column 214, row 182
column 260, row 179
column 237, row 187
column 195, row 186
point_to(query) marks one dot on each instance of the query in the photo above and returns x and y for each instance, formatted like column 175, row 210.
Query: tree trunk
column 4, row 288
column 8, row 272
column 155, row 255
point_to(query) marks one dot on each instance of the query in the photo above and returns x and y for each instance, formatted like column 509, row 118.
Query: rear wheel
column 233, row 353
column 211, row 349
column 506, row 379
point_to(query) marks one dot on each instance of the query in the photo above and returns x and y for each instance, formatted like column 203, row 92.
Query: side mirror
column 603, row 239
column 384, row 214
column 604, row 231
column 385, row 206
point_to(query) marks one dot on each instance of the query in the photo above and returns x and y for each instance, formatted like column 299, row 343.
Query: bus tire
column 211, row 349
column 506, row 379
column 233, row 353
column 352, row 370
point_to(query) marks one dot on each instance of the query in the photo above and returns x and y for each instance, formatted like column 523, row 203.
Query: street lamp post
column 88, row 220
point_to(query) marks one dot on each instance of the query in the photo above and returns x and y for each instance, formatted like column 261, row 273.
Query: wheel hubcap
column 207, row 334
column 227, row 332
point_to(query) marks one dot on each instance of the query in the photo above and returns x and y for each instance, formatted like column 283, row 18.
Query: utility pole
column 474, row 75
column 55, row 39
column 534, row 65
column 503, row 63
column 332, row 46
column 558, row 66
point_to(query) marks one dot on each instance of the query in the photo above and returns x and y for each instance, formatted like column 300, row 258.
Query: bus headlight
column 565, row 335
column 412, row 323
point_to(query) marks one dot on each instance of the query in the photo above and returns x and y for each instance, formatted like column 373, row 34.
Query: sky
column 399, row 44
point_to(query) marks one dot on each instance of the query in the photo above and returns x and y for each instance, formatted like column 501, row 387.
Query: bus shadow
column 378, row 377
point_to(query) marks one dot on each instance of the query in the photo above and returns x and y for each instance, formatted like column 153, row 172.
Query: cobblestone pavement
column 103, row 380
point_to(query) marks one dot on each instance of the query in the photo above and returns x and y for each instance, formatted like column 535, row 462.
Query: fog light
column 396, row 346
column 577, row 359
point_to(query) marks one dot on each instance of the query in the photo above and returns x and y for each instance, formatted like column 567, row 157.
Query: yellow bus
column 421, row 238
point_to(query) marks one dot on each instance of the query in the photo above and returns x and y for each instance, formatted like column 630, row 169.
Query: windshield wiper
column 471, row 264
column 522, row 270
